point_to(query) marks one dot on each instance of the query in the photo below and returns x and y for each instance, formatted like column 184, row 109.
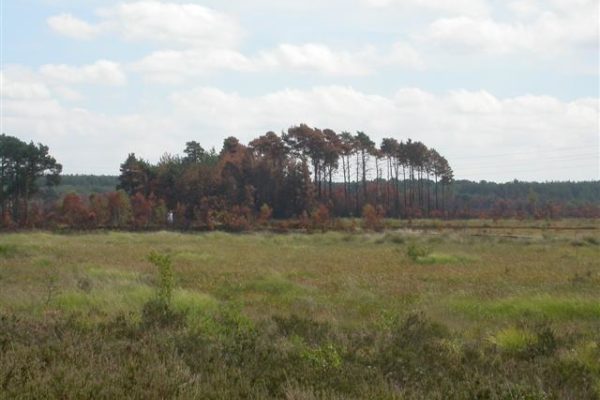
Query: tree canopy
column 21, row 166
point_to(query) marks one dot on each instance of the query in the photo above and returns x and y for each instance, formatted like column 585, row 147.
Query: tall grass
column 332, row 315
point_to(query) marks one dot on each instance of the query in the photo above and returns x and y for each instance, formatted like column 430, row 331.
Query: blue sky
column 507, row 90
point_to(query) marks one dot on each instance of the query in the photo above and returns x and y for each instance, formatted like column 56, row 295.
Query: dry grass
column 328, row 315
column 350, row 279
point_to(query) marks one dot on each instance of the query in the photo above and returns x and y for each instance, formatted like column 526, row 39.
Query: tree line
column 468, row 199
column 294, row 173
column 521, row 200
column 303, row 174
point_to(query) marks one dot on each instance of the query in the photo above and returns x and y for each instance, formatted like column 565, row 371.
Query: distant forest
column 470, row 197
column 484, row 194
column 304, row 174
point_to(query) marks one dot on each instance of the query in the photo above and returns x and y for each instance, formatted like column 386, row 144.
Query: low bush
column 415, row 251
column 373, row 218
column 232, row 357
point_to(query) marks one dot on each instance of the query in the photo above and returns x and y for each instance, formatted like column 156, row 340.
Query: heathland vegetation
column 444, row 314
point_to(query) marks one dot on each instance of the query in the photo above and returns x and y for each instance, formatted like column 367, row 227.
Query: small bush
column 514, row 340
column 324, row 358
column 85, row 284
column 373, row 217
column 235, row 222
column 265, row 214
column 321, row 218
column 311, row 331
column 157, row 313
column 415, row 251
column 165, row 275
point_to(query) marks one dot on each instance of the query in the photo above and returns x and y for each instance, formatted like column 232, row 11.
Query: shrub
column 324, row 358
column 237, row 219
column 415, row 251
column 165, row 276
column 157, row 313
column 372, row 217
column 85, row 284
column 514, row 340
column 265, row 214
column 311, row 331
column 321, row 218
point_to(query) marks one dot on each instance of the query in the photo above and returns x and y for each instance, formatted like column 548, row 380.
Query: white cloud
column 553, row 31
column 73, row 27
column 481, row 35
column 209, row 42
column 22, row 87
column 523, row 8
column 455, row 7
column 187, row 24
column 468, row 102
column 102, row 72
column 317, row 58
column 175, row 66
column 172, row 23
column 403, row 54
column 85, row 141
column 456, row 123
column 68, row 94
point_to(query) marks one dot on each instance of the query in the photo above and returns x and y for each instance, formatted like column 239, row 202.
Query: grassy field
column 507, row 310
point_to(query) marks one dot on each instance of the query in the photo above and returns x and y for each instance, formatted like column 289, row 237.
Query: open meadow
column 507, row 310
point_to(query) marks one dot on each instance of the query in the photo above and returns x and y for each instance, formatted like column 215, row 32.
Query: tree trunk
column 357, row 183
column 345, row 183
column 404, row 184
column 364, row 175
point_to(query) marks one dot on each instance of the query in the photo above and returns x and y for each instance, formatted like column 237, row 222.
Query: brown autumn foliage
column 295, row 176
column 373, row 218
column 75, row 213
column 321, row 218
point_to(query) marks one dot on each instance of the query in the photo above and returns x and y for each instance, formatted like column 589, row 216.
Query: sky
column 504, row 89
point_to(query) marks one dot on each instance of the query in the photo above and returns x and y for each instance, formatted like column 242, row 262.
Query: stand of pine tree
column 306, row 176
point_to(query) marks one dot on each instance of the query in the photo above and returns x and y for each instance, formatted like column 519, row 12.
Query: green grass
column 105, row 301
column 196, row 306
column 436, row 258
column 324, row 315
column 8, row 250
column 514, row 340
column 539, row 307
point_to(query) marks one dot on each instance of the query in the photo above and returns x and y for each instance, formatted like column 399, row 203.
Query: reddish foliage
column 142, row 211
column 373, row 217
column 74, row 212
column 321, row 218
